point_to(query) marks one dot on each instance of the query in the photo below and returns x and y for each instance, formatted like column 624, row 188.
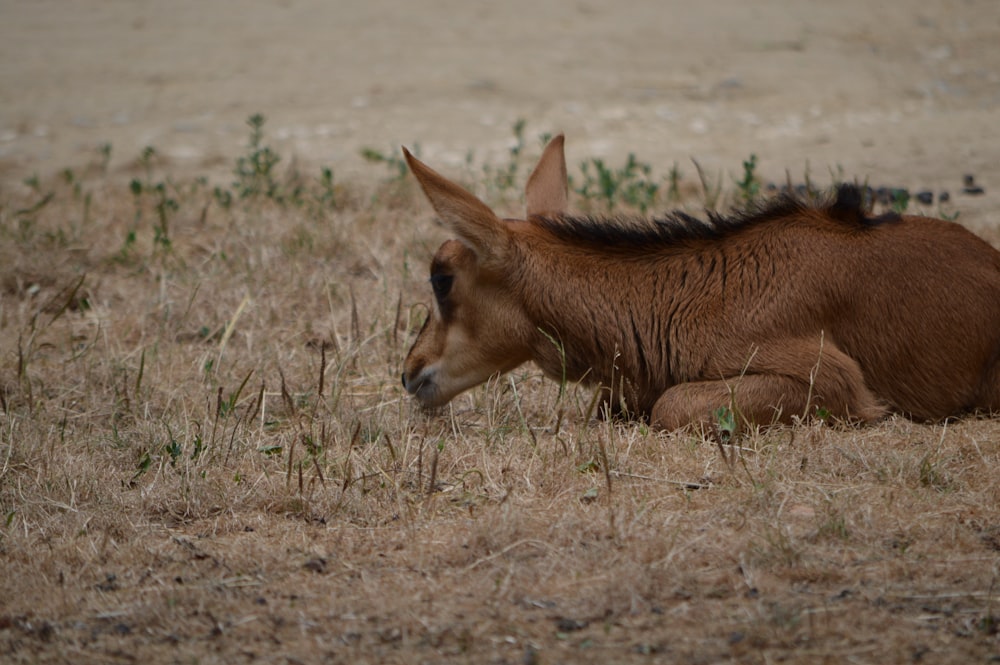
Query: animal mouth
column 423, row 388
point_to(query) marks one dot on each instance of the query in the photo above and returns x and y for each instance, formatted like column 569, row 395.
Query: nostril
column 404, row 379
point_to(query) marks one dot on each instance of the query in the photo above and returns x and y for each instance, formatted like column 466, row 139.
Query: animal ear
column 546, row 191
column 462, row 212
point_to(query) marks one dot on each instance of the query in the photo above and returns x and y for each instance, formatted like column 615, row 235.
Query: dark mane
column 846, row 206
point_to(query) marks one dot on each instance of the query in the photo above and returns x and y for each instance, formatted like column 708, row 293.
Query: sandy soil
column 904, row 93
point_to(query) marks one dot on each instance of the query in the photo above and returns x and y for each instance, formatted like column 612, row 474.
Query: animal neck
column 601, row 319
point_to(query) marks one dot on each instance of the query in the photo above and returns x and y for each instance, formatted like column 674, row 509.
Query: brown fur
column 774, row 313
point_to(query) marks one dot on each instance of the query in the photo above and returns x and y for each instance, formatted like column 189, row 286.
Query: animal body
column 773, row 312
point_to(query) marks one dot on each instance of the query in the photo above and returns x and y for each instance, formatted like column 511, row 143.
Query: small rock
column 317, row 565
column 110, row 583
column 46, row 631
column 567, row 625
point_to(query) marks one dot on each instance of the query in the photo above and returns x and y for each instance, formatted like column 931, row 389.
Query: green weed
column 505, row 177
column 674, row 184
column 392, row 160
column 255, row 171
column 900, row 200
column 631, row 185
column 749, row 184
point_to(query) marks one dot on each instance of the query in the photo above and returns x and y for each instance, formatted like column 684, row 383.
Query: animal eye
column 441, row 285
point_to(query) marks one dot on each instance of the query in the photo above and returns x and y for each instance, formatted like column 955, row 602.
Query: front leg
column 781, row 381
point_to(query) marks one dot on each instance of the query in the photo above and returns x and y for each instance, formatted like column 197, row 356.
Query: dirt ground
column 901, row 92
column 178, row 483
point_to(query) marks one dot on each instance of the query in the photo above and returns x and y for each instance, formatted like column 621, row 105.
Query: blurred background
column 906, row 92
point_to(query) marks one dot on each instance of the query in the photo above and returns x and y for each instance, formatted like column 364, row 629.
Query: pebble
column 971, row 187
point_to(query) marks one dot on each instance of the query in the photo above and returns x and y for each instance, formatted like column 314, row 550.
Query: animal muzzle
column 422, row 386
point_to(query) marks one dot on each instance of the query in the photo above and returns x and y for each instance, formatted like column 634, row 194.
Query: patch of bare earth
column 205, row 456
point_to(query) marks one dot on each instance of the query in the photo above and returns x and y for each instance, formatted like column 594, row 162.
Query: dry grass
column 205, row 456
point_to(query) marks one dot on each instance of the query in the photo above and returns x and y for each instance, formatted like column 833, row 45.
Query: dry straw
column 205, row 456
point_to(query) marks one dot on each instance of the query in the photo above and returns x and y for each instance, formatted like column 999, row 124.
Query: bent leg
column 781, row 381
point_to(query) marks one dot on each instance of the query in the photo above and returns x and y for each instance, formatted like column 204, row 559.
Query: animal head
column 476, row 327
